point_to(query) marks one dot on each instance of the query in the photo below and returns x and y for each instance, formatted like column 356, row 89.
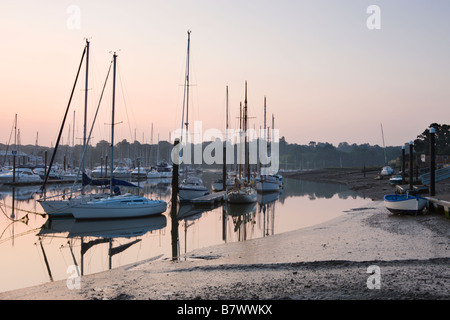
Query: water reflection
column 87, row 234
column 36, row 249
column 315, row 190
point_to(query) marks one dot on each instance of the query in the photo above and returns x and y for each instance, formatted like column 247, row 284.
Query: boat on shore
column 396, row 179
column 404, row 203
column 387, row 171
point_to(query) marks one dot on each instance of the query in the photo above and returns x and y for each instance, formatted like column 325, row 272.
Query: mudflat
column 368, row 253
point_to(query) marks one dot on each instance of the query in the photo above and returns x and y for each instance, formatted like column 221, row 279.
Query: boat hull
column 266, row 186
column 242, row 196
column 56, row 207
column 187, row 194
column 63, row 207
column 118, row 207
column 404, row 204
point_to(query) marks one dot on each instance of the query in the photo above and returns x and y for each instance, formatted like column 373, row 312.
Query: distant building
column 7, row 158
column 440, row 159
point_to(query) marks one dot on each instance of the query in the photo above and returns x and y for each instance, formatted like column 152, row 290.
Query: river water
column 35, row 249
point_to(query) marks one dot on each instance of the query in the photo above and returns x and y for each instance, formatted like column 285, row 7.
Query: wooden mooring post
column 174, row 207
column 432, row 163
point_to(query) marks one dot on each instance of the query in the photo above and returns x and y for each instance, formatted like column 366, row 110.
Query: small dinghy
column 404, row 203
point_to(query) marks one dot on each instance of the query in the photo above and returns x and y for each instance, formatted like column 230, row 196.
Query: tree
column 442, row 139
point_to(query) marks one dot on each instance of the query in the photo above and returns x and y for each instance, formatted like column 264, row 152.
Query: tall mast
column 264, row 117
column 247, row 167
column 112, row 124
column 224, row 169
column 240, row 138
column 85, row 102
column 384, row 147
column 187, row 83
column 186, row 91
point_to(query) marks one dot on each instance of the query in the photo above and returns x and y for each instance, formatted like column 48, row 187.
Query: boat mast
column 112, row 125
column 240, row 139
column 62, row 125
column 186, row 91
column 187, row 84
column 224, row 169
column 384, row 147
column 85, row 103
column 247, row 166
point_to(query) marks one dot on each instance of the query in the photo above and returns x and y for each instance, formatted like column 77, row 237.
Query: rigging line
column 23, row 210
column 9, row 141
column 125, row 103
column 92, row 126
column 64, row 120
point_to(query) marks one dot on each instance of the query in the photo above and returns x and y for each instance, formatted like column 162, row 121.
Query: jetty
column 210, row 198
column 438, row 205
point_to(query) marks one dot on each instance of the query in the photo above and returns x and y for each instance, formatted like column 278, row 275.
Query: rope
column 23, row 210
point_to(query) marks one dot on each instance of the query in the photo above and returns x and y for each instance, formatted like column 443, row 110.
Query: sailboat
column 62, row 207
column 117, row 206
column 243, row 191
column 267, row 183
column 191, row 187
column 386, row 170
column 218, row 184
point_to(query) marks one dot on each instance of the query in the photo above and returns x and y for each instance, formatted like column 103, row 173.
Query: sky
column 331, row 71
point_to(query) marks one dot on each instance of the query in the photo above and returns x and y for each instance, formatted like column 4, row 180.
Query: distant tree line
column 314, row 155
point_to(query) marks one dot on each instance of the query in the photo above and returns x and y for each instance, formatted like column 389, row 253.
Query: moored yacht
column 191, row 188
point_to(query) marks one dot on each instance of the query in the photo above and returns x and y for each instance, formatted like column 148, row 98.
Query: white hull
column 265, row 186
column 387, row 171
column 119, row 207
column 218, row 186
column 20, row 177
column 244, row 195
column 56, row 207
column 64, row 207
column 153, row 175
column 404, row 204
column 186, row 194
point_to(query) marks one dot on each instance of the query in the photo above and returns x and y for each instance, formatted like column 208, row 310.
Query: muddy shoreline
column 331, row 261
column 364, row 183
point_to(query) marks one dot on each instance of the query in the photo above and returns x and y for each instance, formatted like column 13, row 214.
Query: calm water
column 35, row 249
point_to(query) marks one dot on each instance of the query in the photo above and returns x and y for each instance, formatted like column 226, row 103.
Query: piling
column 224, row 168
column 432, row 162
column 174, row 211
column 403, row 164
column 411, row 169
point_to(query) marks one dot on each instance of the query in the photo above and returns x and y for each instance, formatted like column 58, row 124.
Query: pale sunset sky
column 327, row 76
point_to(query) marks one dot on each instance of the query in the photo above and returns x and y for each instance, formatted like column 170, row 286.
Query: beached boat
column 404, row 203
column 387, row 171
column 396, row 179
